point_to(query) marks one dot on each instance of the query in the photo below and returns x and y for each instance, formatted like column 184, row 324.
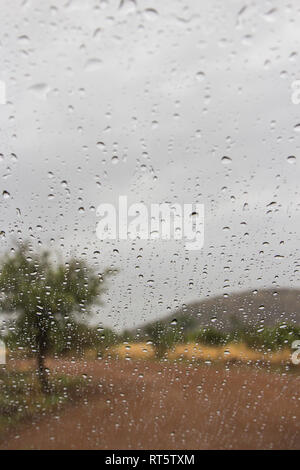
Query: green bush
column 267, row 338
column 163, row 336
column 210, row 336
column 271, row 338
column 72, row 338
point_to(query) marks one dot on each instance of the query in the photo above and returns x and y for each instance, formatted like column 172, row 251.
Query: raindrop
column 127, row 5
column 297, row 128
column 41, row 90
column 291, row 159
column 270, row 15
column 200, row 76
column 150, row 14
column 23, row 40
column 226, row 160
column 92, row 65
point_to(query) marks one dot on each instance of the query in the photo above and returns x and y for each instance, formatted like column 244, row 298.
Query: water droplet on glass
column 291, row 159
column 226, row 160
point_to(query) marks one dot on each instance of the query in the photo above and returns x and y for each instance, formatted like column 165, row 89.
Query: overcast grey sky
column 169, row 88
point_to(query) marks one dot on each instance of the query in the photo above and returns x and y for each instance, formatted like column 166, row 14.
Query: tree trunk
column 42, row 373
column 41, row 348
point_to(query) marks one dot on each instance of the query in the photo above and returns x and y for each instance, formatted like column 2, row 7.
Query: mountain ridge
column 246, row 308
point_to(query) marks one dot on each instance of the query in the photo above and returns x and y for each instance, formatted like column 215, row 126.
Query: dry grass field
column 192, row 351
column 138, row 404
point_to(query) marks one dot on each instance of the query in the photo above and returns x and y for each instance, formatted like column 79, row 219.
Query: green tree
column 210, row 336
column 46, row 296
column 163, row 336
column 105, row 339
column 273, row 338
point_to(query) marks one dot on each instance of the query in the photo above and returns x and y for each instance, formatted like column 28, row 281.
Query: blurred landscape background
column 135, row 344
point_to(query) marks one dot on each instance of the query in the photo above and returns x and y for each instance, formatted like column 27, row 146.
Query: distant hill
column 270, row 306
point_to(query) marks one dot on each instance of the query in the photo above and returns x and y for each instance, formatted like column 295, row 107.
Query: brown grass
column 150, row 405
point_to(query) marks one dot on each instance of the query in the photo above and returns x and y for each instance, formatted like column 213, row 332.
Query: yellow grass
column 134, row 350
column 233, row 351
column 230, row 352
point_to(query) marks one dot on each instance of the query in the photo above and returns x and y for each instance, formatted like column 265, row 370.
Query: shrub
column 164, row 336
column 210, row 336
